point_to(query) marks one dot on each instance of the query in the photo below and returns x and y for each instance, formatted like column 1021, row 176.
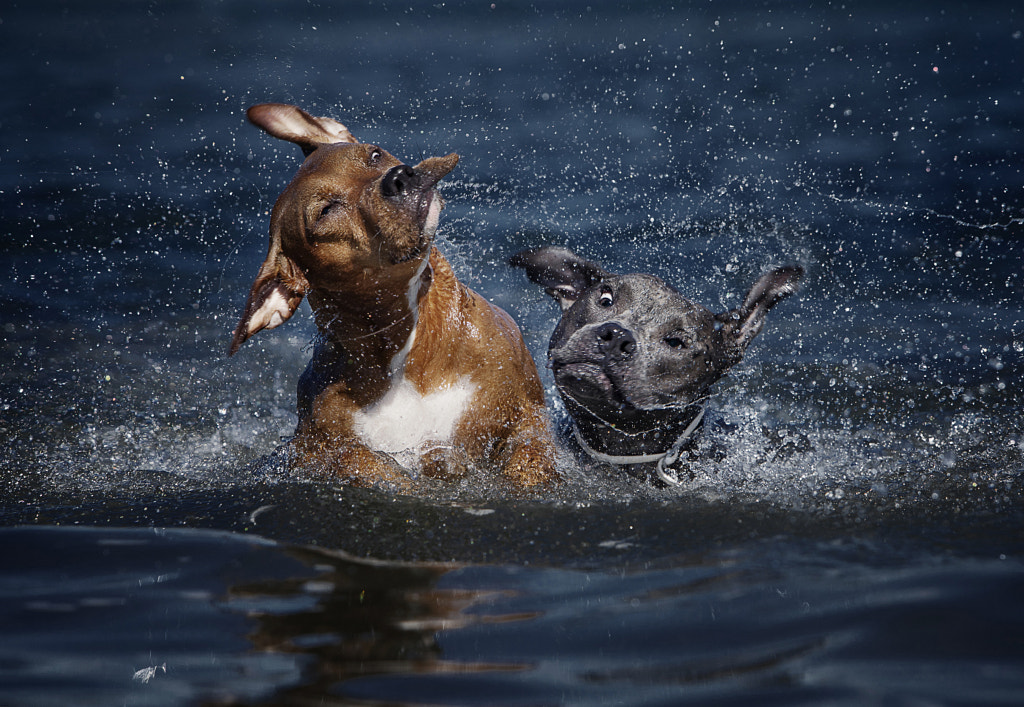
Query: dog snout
column 398, row 180
column 614, row 341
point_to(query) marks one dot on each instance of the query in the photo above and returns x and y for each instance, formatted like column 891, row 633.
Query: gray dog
column 634, row 360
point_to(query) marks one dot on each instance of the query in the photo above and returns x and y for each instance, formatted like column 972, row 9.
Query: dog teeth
column 433, row 216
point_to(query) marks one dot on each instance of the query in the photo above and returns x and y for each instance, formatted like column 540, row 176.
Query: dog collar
column 664, row 459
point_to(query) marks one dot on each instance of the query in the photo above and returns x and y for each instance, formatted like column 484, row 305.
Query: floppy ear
column 562, row 273
column 275, row 295
column 741, row 325
column 296, row 125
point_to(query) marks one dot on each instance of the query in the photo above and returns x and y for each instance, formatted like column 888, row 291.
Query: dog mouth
column 428, row 210
column 423, row 216
column 429, row 213
column 589, row 383
column 615, row 390
column 421, row 201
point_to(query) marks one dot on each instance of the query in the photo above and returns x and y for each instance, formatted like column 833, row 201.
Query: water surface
column 860, row 541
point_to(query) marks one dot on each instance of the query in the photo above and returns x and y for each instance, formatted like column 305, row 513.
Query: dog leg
column 445, row 463
column 528, row 456
column 351, row 462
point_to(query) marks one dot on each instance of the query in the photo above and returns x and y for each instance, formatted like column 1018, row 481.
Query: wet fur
column 353, row 234
column 631, row 357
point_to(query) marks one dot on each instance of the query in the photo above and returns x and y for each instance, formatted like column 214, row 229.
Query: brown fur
column 350, row 233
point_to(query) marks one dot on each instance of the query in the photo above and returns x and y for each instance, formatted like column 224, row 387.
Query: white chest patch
column 403, row 420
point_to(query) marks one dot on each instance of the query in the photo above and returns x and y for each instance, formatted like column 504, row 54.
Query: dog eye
column 675, row 342
column 605, row 299
column 330, row 206
column 375, row 157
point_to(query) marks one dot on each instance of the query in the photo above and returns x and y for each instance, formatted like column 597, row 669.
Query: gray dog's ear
column 743, row 324
column 562, row 273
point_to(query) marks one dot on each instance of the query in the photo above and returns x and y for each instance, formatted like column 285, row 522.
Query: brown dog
column 409, row 363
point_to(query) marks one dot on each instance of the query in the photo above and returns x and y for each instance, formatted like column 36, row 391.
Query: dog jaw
column 433, row 216
column 433, row 170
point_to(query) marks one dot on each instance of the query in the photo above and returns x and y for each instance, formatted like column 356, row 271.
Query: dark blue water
column 861, row 541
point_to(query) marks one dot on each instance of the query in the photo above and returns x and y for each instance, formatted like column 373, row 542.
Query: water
column 859, row 543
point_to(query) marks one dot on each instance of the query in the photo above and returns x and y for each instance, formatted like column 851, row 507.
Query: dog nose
column 397, row 180
column 614, row 341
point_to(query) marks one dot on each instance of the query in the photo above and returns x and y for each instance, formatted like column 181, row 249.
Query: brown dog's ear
column 562, row 273
column 296, row 125
column 275, row 295
column 741, row 325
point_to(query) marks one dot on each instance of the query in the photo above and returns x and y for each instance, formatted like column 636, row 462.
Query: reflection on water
column 726, row 628
column 108, row 617
column 151, row 617
column 364, row 619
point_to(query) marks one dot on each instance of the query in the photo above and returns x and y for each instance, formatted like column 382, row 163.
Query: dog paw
column 531, row 466
column 444, row 463
column 352, row 464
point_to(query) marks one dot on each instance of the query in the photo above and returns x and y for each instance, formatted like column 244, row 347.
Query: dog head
column 630, row 346
column 353, row 219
